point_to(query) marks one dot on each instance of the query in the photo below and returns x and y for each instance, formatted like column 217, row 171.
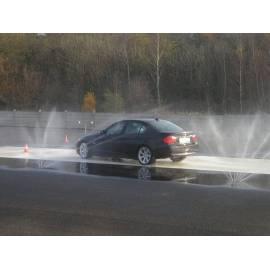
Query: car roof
column 146, row 120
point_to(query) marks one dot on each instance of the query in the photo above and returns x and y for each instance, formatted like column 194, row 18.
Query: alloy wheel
column 83, row 150
column 144, row 155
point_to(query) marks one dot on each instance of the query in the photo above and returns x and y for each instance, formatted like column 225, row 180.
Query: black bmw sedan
column 143, row 139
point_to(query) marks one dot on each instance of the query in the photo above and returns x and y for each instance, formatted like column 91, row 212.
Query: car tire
column 177, row 159
column 83, row 150
column 145, row 155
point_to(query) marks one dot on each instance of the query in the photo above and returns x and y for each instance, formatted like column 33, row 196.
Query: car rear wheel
column 84, row 152
column 145, row 155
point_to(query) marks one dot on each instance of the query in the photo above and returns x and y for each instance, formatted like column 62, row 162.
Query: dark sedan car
column 141, row 139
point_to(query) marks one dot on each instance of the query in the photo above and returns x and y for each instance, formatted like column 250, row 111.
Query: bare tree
column 225, row 82
column 127, row 61
column 158, row 69
column 240, row 73
column 255, row 65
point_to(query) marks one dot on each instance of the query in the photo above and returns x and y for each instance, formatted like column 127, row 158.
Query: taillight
column 194, row 138
column 170, row 140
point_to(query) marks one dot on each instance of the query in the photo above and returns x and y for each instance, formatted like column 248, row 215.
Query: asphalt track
column 40, row 202
column 47, row 203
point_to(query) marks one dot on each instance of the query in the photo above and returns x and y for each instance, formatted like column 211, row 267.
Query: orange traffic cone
column 26, row 149
column 66, row 140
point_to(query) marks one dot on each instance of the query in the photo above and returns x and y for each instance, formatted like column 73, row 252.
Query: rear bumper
column 176, row 151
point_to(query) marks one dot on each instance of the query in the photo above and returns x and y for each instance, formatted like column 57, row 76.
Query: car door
column 132, row 138
column 107, row 144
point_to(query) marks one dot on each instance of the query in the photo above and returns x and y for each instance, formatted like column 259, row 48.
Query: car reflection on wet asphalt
column 134, row 172
column 221, row 179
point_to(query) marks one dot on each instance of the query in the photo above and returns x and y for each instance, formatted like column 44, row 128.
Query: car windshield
column 166, row 126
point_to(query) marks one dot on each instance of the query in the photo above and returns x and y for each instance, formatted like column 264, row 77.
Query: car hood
column 88, row 138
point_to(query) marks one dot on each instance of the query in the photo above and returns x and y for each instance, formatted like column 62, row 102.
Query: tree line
column 219, row 73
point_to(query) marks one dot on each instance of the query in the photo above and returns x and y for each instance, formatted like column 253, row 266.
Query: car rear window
column 166, row 126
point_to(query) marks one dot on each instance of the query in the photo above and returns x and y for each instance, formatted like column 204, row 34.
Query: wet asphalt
column 47, row 202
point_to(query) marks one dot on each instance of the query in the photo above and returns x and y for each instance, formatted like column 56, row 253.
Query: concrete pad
column 202, row 163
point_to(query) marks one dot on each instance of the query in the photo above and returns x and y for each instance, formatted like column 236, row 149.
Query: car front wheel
column 84, row 150
column 145, row 155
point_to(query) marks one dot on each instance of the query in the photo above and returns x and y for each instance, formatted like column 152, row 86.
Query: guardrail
column 61, row 120
column 90, row 121
column 216, row 132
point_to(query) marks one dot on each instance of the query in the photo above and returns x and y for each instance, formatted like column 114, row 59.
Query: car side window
column 115, row 129
column 135, row 128
column 142, row 129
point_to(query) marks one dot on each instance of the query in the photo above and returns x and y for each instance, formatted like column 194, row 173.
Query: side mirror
column 102, row 131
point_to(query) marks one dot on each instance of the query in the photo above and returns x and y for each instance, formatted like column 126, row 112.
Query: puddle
column 129, row 172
